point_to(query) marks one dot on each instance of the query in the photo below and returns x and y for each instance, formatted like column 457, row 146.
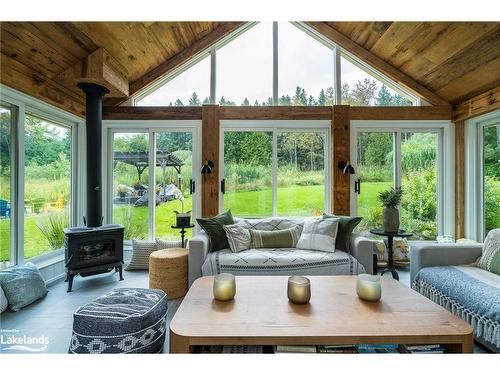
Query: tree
column 322, row 98
column 300, row 97
column 206, row 101
column 245, row 102
column 311, row 101
column 256, row 104
column 330, row 95
column 384, row 97
column 178, row 103
column 193, row 100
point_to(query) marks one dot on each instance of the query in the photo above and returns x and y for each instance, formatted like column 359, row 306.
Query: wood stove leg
column 67, row 277
column 120, row 270
column 70, row 281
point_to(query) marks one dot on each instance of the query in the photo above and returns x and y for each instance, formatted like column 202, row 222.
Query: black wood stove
column 94, row 248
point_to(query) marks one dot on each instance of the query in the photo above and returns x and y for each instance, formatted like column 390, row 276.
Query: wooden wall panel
column 275, row 113
column 151, row 113
column 401, row 113
column 341, row 184
column 210, row 151
column 459, row 180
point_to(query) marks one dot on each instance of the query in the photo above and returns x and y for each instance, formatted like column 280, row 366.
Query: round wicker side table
column 168, row 269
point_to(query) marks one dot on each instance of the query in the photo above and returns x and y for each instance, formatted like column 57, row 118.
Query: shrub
column 52, row 228
column 492, row 203
column 420, row 197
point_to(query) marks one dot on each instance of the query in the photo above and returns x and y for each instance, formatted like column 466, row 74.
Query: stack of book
column 337, row 349
column 281, row 349
column 423, row 349
column 377, row 348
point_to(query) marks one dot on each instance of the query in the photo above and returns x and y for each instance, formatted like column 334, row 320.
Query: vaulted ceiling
column 452, row 61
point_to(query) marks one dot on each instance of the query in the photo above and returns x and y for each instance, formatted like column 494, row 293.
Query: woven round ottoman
column 168, row 270
column 125, row 320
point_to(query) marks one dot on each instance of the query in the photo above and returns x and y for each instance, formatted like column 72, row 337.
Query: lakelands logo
column 12, row 340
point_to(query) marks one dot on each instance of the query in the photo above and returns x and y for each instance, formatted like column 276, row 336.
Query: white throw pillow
column 238, row 236
column 3, row 301
column 319, row 234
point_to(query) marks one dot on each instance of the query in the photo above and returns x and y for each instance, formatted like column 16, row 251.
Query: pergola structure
column 140, row 160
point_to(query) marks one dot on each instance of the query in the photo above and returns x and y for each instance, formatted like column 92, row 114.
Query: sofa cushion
column 284, row 261
column 213, row 226
column 469, row 292
column 490, row 258
column 238, row 236
column 274, row 238
column 141, row 250
column 22, row 285
column 344, row 232
column 318, row 234
column 274, row 223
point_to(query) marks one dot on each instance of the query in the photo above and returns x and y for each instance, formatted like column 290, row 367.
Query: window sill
column 46, row 260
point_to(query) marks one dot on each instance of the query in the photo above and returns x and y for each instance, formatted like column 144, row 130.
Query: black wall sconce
column 207, row 167
column 346, row 167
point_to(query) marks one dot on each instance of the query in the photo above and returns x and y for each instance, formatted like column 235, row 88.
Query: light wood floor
column 53, row 315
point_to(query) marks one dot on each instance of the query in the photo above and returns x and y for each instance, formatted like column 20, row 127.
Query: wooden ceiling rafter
column 373, row 60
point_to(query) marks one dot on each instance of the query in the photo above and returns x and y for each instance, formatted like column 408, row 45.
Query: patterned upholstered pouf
column 125, row 320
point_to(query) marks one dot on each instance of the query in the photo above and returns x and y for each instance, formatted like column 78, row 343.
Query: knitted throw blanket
column 466, row 296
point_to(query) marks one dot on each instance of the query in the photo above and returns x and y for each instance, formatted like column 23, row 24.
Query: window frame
column 474, row 174
column 445, row 173
column 150, row 127
column 26, row 104
column 275, row 127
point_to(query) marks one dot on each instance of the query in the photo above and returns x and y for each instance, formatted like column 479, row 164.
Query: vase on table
column 390, row 219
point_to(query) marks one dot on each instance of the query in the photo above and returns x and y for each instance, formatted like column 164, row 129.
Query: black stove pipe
column 93, row 110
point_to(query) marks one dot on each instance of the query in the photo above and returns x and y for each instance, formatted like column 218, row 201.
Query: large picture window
column 7, row 114
column 406, row 157
column 47, row 185
column 275, row 170
column 491, row 176
column 143, row 198
column 276, row 63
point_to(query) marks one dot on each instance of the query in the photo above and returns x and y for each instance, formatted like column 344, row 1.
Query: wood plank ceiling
column 455, row 60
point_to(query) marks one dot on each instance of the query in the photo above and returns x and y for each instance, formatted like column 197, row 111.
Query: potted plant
column 182, row 219
column 390, row 200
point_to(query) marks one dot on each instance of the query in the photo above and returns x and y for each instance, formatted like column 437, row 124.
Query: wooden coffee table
column 260, row 314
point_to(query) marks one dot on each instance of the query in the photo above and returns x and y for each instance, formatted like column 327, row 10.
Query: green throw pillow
column 490, row 258
column 344, row 231
column 213, row 226
column 274, row 238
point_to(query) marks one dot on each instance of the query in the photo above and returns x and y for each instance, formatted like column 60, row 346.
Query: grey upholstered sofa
column 288, row 261
column 446, row 274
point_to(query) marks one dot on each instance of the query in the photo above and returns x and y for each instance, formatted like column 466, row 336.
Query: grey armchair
column 423, row 254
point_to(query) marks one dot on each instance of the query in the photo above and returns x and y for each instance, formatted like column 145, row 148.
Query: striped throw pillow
column 164, row 244
column 490, row 258
column 141, row 250
column 274, row 238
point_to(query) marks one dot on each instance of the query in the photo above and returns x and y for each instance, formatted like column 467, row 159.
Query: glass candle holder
column 299, row 289
column 224, row 287
column 368, row 287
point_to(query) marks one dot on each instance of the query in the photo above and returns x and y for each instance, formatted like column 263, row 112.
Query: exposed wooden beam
column 459, row 180
column 275, row 113
column 151, row 113
column 183, row 56
column 101, row 68
column 401, row 113
column 368, row 57
column 341, row 183
column 478, row 105
column 210, row 151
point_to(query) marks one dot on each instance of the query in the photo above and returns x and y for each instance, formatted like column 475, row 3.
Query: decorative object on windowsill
column 346, row 167
column 207, row 167
column 390, row 200
column 224, row 287
column 299, row 290
column 182, row 219
column 368, row 287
